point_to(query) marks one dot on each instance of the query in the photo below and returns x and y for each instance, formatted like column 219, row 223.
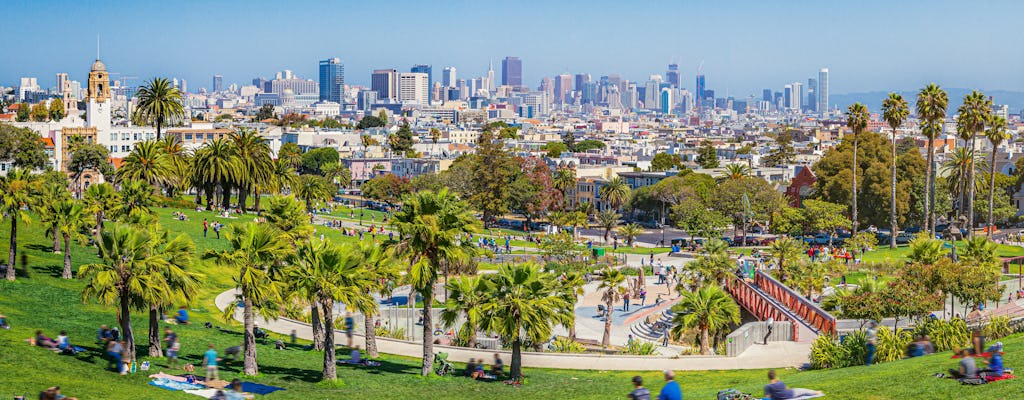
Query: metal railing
column 819, row 319
column 752, row 333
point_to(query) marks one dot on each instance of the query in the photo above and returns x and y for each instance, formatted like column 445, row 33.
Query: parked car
column 903, row 237
column 751, row 241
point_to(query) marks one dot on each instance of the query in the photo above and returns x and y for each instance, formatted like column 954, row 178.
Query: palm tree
column 563, row 180
column 70, row 218
column 996, row 134
column 629, row 232
column 125, row 277
column 465, row 297
column 282, row 178
column 17, row 195
column 252, row 156
column 177, row 284
column 431, row 227
column 146, row 162
column 523, row 306
column 289, row 216
column 159, row 103
column 708, row 309
column 381, row 269
column 290, row 154
column 136, row 199
column 615, row 192
column 931, row 110
column 571, row 288
column 608, row 219
column 214, row 165
column 54, row 192
column 101, row 200
column 972, row 116
column 178, row 159
column 787, row 249
column 955, row 167
column 304, row 286
column 338, row 174
column 895, row 112
column 256, row 250
column 312, row 187
column 857, row 119
column 612, row 286
column 736, row 171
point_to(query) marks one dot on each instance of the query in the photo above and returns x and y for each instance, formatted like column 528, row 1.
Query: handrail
column 818, row 318
column 760, row 305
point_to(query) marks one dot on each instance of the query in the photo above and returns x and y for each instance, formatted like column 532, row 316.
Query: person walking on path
column 671, row 390
column 625, row 301
column 206, row 226
column 349, row 327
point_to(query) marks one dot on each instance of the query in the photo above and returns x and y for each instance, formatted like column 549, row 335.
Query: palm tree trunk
column 158, row 126
column 13, row 252
column 243, row 195
column 970, row 192
column 225, row 195
column 991, row 193
column 99, row 232
column 705, row 342
column 330, row 368
column 428, row 328
column 892, row 205
column 572, row 330
column 606, row 339
column 249, row 341
column 515, row 370
column 56, row 239
column 66, row 274
column 256, row 199
column 154, row 332
column 318, row 328
column 126, row 327
column 369, row 322
column 928, row 181
column 853, row 197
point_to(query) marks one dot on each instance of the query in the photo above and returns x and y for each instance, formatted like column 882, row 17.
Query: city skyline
column 747, row 52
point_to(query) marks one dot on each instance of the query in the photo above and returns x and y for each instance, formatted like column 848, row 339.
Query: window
column 124, row 135
column 188, row 136
column 136, row 136
column 125, row 148
column 113, row 137
column 113, row 149
column 209, row 136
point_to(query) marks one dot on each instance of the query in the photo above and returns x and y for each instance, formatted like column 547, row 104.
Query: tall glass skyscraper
column 512, row 71
column 332, row 80
column 672, row 75
column 822, row 91
column 425, row 69
column 700, row 88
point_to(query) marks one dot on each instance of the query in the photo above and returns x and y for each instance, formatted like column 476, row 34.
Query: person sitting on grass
column 498, row 367
column 3, row 322
column 64, row 343
column 235, row 392
column 967, row 367
column 44, row 341
column 114, row 350
column 470, row 367
column 182, row 317
column 995, row 361
column 777, row 390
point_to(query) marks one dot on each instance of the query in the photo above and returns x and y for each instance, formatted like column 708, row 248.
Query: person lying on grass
column 777, row 390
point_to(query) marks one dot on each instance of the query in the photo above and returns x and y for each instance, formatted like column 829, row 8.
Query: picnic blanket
column 808, row 396
column 366, row 363
column 168, row 384
column 982, row 355
column 204, row 393
column 1000, row 378
column 162, row 375
column 256, row 388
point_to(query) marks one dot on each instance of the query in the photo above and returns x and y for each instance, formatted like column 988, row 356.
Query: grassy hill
column 43, row 301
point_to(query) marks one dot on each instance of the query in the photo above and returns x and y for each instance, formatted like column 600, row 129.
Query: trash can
column 597, row 252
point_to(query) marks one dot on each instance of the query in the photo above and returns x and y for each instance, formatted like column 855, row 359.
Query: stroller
column 443, row 366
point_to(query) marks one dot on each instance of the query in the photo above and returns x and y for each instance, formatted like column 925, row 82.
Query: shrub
column 856, row 346
column 998, row 327
column 641, row 348
column 826, row 352
column 566, row 345
column 892, row 345
column 176, row 202
column 945, row 335
column 394, row 333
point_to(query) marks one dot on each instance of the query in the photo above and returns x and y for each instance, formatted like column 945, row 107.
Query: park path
column 774, row 355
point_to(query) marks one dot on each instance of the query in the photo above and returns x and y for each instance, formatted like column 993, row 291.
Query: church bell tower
column 97, row 110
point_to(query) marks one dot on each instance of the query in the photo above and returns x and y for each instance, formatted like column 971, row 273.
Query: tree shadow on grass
column 292, row 374
column 54, row 271
column 385, row 367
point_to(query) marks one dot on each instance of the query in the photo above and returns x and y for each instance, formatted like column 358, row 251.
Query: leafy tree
column 554, row 149
column 266, row 112
column 569, row 140
column 894, row 112
column 388, row 188
column 709, row 309
column 825, row 216
column 608, row 220
column 289, row 216
column 146, row 162
column 430, row 227
column 789, row 220
column 24, row 112
column 996, row 134
column 931, row 111
column 763, row 200
column 559, row 247
column 89, row 157
column 338, row 174
column 493, row 170
column 40, row 113
column 586, row 145
column 370, row 121
column 311, row 188
column 17, row 196
column 783, row 153
column 314, row 160
column 697, row 219
column 737, row 171
column 665, row 162
column 431, row 182
column 466, row 295
column 22, row 147
column 564, row 179
column 159, row 104
column 255, row 165
column 214, row 165
column 56, row 110
column 178, row 160
column 54, row 189
column 629, row 232
column 291, row 154
column 533, row 193
column 615, row 192
column 612, row 286
column 255, row 255
column 787, row 250
column 707, row 156
column 401, row 142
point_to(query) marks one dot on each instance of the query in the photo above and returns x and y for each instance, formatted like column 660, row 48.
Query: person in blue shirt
column 995, row 361
column 777, row 390
column 671, row 390
column 182, row 316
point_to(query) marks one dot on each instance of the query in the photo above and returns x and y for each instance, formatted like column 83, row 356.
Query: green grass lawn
column 884, row 253
column 43, row 301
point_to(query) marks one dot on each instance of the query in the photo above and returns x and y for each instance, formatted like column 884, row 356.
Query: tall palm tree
column 17, row 195
column 289, row 216
column 101, row 201
column 381, row 269
column 465, row 297
column 786, row 249
column 311, row 188
column 282, row 178
column 931, row 110
column 629, row 232
column 608, row 219
column 171, row 270
column 290, row 154
column 304, row 286
column 563, row 180
column 708, row 309
column 895, row 112
column 70, row 219
column 252, row 157
column 523, row 306
column 159, row 104
column 736, row 171
column 955, row 167
column 972, row 115
column 54, row 192
column 125, row 278
column 612, row 286
column 338, row 174
column 571, row 288
column 256, row 251
column 996, row 134
column 146, row 162
column 178, row 159
column 857, row 120
column 615, row 192
column 213, row 166
column 431, row 227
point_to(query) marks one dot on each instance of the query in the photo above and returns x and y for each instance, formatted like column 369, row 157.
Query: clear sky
column 744, row 45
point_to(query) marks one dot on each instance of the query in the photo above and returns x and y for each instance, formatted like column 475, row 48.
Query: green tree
column 136, row 200
column 146, row 162
column 24, row 112
column 708, row 310
column 783, row 153
column 554, row 149
column 214, row 165
column 159, row 104
column 697, row 219
column 608, row 220
column 291, row 154
column 615, row 192
column 252, row 158
column 312, row 188
column 737, row 171
column 857, row 117
column 71, row 219
column 388, row 188
column 266, row 112
column 825, row 216
column 338, row 174
column 178, row 160
column 564, row 179
column 894, row 112
column 102, row 202
column 973, row 114
column 314, row 160
column 430, row 226
column 401, row 142
column 629, row 233
column 256, row 252
column 173, row 282
column 54, row 189
column 787, row 250
column 996, row 134
column 40, row 113
column 466, row 296
column 494, row 170
column 707, row 156
column 589, row 144
column 290, row 216
column 370, row 121
column 89, row 157
column 17, row 196
column 56, row 110
column 380, row 267
column 665, row 162
column 523, row 306
column 612, row 286
column 22, row 147
column 762, row 201
column 931, row 111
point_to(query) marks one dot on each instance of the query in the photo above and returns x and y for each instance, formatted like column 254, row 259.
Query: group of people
column 217, row 226
column 967, row 368
column 53, row 393
column 774, row 390
column 475, row 369
column 61, row 344
column 825, row 253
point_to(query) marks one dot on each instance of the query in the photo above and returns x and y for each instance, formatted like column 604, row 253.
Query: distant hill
column 874, row 99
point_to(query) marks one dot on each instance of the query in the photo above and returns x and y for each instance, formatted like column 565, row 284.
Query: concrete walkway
column 774, row 355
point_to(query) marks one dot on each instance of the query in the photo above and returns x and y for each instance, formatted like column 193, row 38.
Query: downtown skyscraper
column 512, row 71
column 425, row 69
column 332, row 80
column 822, row 91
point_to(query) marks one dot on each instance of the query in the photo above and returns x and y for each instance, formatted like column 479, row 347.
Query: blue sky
column 744, row 45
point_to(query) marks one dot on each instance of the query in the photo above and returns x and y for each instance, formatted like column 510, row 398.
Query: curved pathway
column 774, row 355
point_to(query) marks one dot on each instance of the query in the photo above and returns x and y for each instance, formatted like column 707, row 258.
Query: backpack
column 972, row 381
column 733, row 394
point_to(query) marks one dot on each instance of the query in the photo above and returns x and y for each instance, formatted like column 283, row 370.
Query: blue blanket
column 257, row 388
column 174, row 385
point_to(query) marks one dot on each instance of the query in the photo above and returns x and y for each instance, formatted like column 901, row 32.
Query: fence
column 818, row 318
column 752, row 333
